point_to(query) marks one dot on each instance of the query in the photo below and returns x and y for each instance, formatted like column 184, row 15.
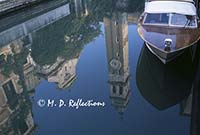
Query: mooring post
column 195, row 116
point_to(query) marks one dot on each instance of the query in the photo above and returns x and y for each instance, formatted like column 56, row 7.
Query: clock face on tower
column 115, row 64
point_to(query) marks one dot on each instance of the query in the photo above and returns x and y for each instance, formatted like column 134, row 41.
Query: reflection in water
column 70, row 35
column 25, row 28
column 186, row 105
column 191, row 105
column 49, row 46
column 172, row 84
column 164, row 85
column 15, row 83
column 41, row 47
column 116, row 30
column 65, row 74
column 81, row 8
column 195, row 113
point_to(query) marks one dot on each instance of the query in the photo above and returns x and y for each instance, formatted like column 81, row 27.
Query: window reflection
column 182, row 20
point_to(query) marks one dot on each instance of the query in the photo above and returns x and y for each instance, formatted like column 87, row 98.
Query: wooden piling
column 195, row 116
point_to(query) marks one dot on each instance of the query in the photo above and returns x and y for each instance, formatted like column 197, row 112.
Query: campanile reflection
column 116, row 30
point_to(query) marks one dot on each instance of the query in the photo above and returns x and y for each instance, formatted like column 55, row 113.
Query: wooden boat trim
column 139, row 27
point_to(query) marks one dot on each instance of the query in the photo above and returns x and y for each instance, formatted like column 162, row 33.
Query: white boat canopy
column 179, row 7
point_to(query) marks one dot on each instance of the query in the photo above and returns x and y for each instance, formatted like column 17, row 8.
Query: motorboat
column 168, row 27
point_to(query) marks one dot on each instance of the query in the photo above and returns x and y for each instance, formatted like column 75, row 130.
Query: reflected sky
column 77, row 51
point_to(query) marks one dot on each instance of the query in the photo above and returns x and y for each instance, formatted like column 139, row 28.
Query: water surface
column 90, row 50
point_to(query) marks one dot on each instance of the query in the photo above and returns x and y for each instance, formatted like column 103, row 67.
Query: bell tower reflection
column 116, row 30
column 81, row 8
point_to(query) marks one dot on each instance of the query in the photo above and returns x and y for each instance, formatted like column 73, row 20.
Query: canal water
column 56, row 60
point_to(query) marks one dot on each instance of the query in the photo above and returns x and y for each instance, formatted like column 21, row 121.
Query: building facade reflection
column 64, row 74
column 18, row 71
column 116, row 31
column 15, row 107
column 18, row 82
column 27, row 26
column 15, row 118
column 81, row 8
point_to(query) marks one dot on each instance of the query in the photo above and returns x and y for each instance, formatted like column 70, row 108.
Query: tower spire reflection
column 116, row 30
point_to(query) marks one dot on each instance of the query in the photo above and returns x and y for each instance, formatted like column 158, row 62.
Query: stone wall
column 25, row 28
column 10, row 5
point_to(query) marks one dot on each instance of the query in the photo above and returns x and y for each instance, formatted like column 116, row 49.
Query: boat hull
column 164, row 57
column 155, row 37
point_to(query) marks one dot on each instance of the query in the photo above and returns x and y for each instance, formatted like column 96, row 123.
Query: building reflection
column 18, row 27
column 81, row 8
column 18, row 82
column 63, row 72
column 69, row 41
column 65, row 75
column 15, row 107
column 116, row 31
column 18, row 44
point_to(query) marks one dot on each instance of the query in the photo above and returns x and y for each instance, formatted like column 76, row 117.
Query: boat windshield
column 170, row 19
column 157, row 18
column 182, row 20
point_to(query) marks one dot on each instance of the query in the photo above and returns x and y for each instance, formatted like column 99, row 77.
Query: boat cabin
column 170, row 13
